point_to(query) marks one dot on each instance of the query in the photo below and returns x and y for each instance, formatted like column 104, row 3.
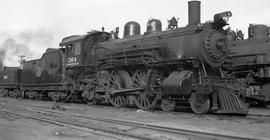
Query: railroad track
column 249, row 115
column 189, row 134
column 258, row 115
column 98, row 131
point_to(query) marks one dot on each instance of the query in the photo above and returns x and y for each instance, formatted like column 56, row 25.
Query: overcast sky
column 39, row 24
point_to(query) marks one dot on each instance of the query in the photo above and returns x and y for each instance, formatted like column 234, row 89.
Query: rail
column 81, row 127
column 184, row 132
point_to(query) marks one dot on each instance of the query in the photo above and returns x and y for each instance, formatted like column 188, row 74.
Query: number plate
column 71, row 61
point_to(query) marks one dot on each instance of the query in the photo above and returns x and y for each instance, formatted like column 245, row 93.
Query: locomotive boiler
column 250, row 62
column 170, row 67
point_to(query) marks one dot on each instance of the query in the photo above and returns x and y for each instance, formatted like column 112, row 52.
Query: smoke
column 30, row 44
column 11, row 49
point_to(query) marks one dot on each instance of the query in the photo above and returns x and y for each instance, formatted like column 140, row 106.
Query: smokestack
column 194, row 13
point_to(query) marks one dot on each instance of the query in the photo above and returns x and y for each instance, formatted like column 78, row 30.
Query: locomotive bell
column 257, row 30
column 132, row 28
column 154, row 25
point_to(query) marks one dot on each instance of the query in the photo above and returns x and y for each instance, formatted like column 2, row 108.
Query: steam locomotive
column 250, row 62
column 177, row 66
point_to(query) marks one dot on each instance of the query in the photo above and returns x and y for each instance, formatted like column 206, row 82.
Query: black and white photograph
column 134, row 70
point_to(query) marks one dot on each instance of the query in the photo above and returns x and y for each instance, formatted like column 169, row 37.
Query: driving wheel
column 119, row 80
column 148, row 79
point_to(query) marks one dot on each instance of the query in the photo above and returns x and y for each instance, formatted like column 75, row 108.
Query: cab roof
column 73, row 38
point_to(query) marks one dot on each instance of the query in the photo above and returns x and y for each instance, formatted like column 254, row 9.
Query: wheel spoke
column 116, row 82
column 141, row 100
column 117, row 100
column 146, row 98
column 144, row 103
column 123, row 98
column 147, row 101
column 120, row 100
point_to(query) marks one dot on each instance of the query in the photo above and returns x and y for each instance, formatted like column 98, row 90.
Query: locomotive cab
column 72, row 45
column 80, row 49
column 73, row 52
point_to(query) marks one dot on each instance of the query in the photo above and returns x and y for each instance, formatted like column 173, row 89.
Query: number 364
column 72, row 59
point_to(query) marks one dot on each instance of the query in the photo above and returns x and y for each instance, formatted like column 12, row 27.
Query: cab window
column 69, row 49
column 77, row 48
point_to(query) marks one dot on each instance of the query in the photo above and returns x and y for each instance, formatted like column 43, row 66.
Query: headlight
column 226, row 19
column 224, row 16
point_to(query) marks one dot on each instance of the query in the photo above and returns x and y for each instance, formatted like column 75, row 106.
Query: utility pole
column 21, row 61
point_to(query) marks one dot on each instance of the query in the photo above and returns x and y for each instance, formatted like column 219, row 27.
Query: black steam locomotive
column 173, row 67
column 250, row 62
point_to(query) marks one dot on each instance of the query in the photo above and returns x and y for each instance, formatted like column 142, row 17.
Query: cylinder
column 132, row 28
column 194, row 12
column 177, row 84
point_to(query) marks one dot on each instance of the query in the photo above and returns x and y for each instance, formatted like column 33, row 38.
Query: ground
column 252, row 126
column 24, row 129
